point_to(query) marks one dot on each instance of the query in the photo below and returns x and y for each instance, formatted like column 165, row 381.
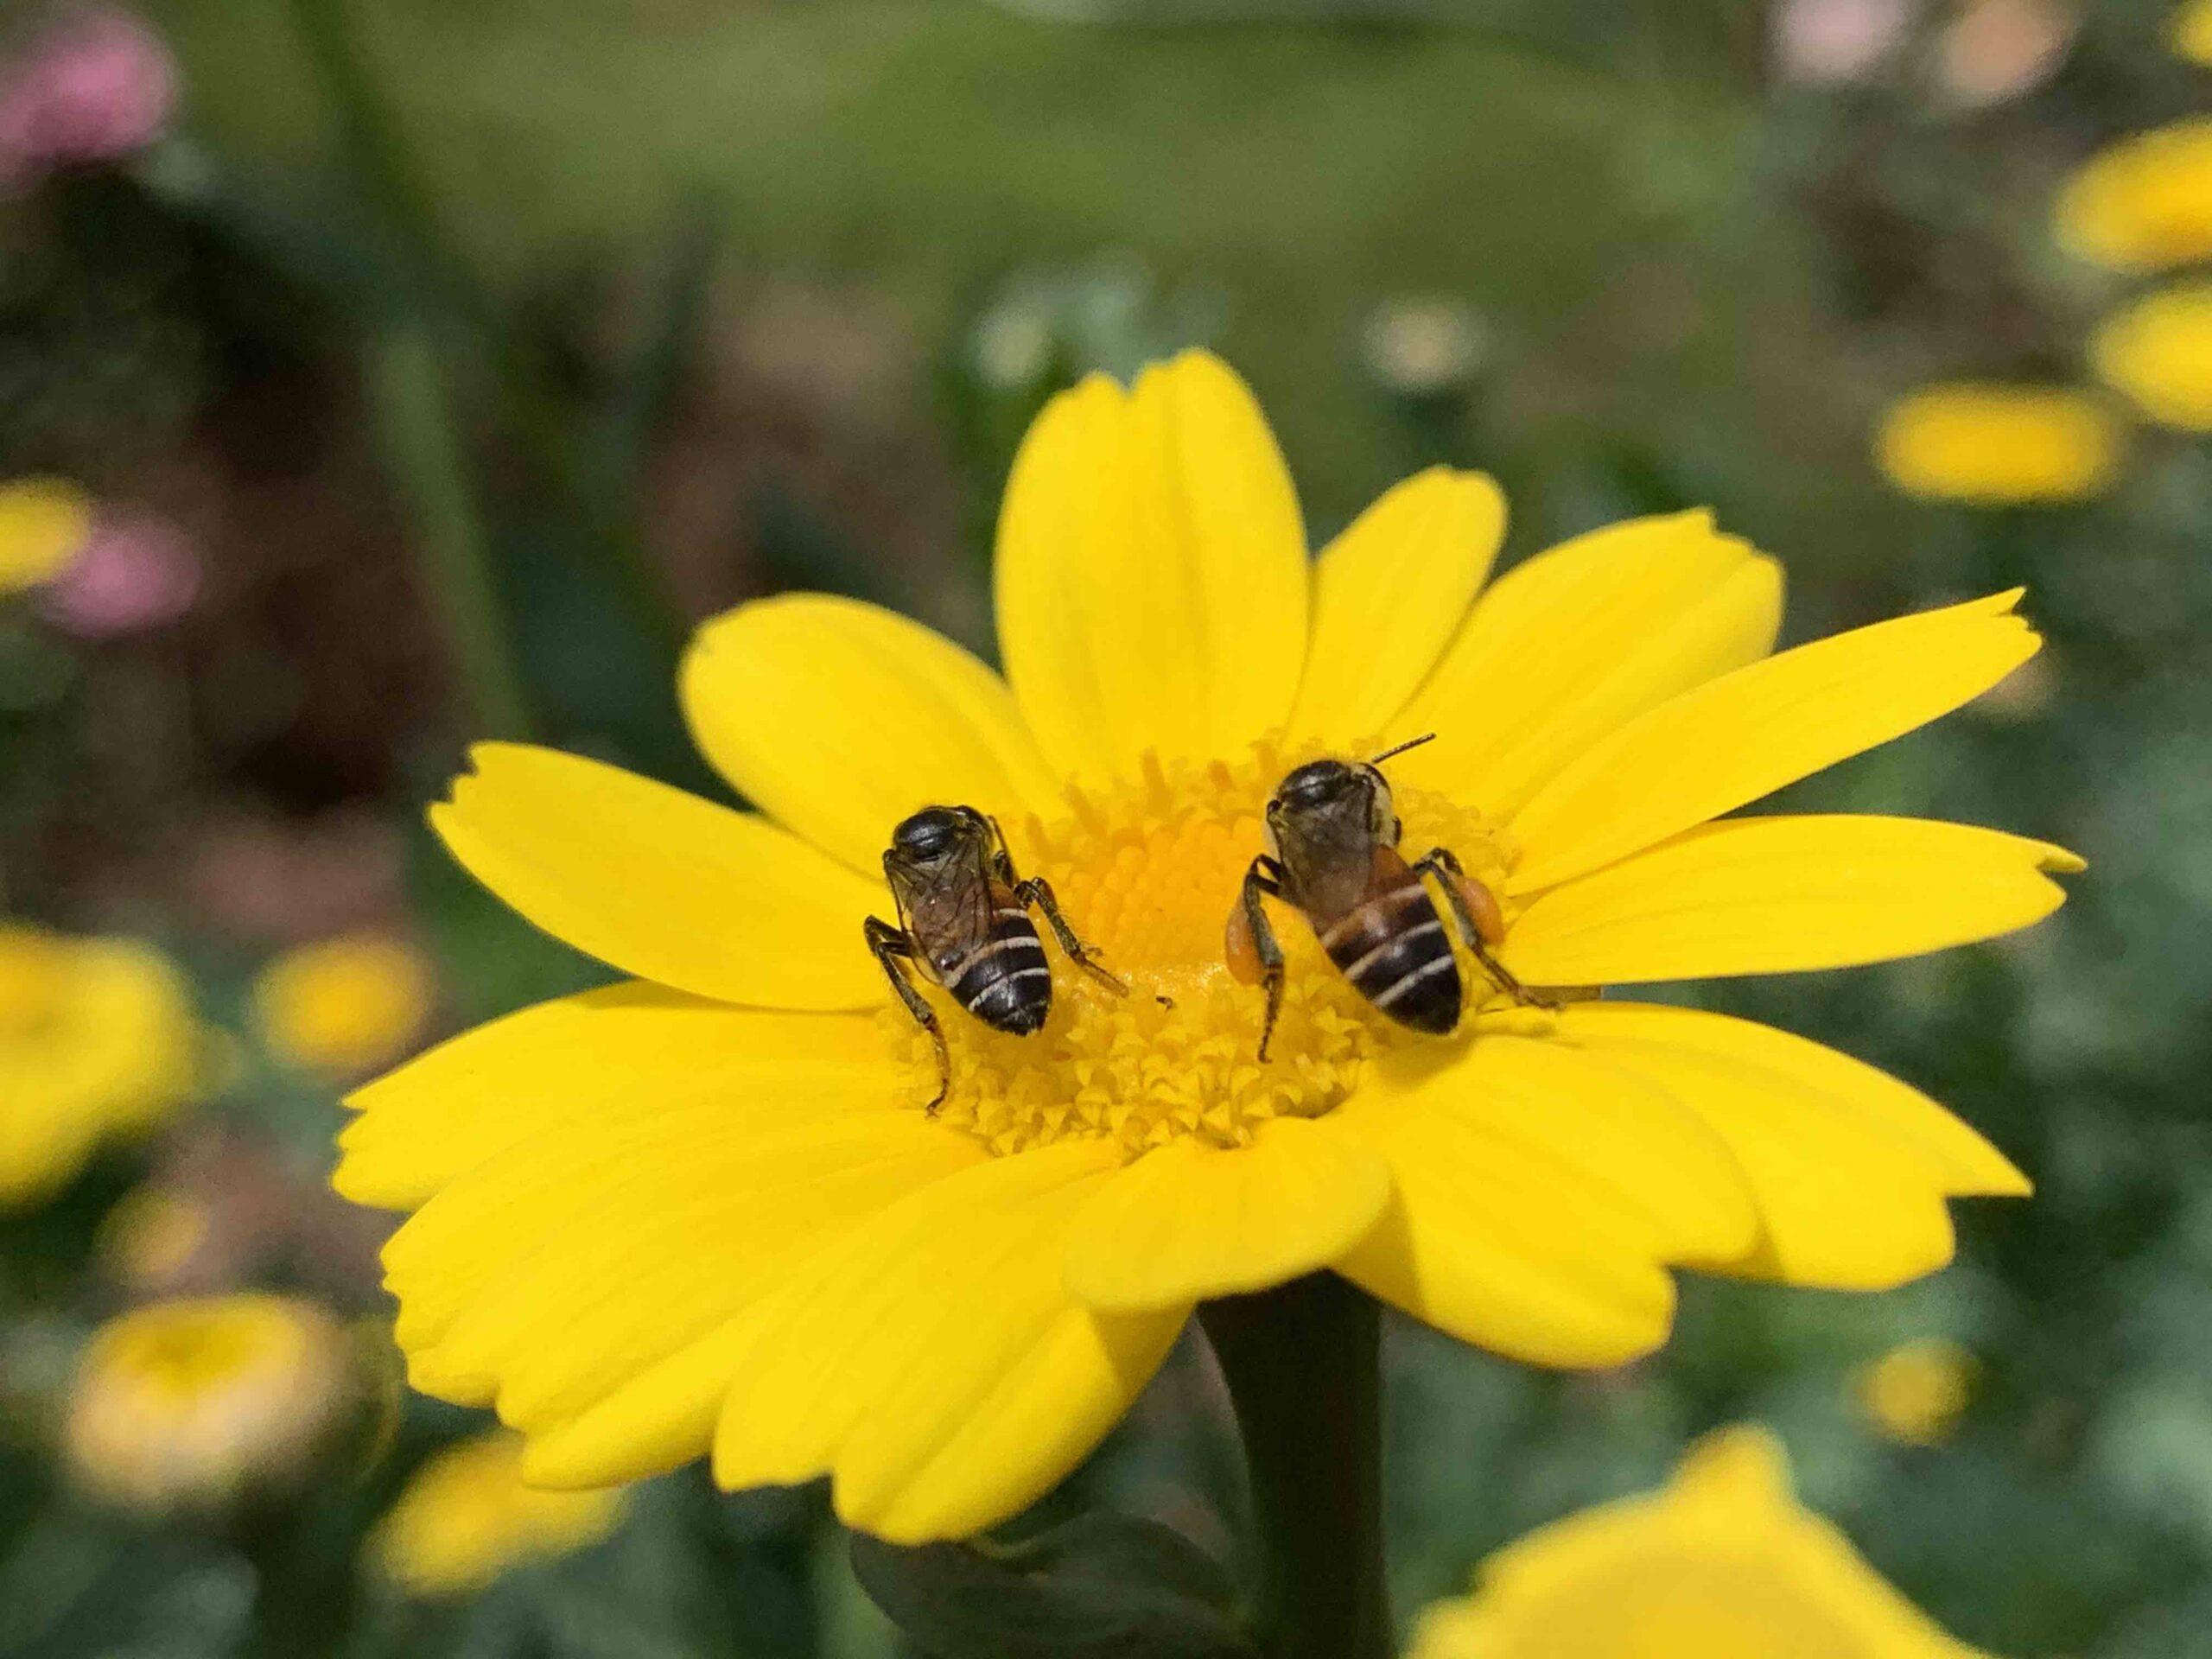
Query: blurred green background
column 649, row 307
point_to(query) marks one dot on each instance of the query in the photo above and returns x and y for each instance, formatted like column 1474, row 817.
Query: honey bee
column 1332, row 854
column 964, row 923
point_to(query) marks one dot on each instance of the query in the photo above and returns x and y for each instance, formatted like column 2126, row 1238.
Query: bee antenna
column 1399, row 749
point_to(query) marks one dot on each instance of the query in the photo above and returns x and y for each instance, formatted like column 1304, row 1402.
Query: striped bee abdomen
column 1393, row 951
column 1005, row 982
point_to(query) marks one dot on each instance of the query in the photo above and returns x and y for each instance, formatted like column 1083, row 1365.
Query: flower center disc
column 1147, row 877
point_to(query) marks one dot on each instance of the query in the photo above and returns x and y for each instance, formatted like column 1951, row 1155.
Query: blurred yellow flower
column 193, row 1403
column 97, row 1038
column 1992, row 445
column 1720, row 1563
column 706, row 1209
column 44, row 524
column 2159, row 352
column 151, row 1236
column 1915, row 1393
column 2190, row 31
column 2144, row 204
column 343, row 1005
column 465, row 1517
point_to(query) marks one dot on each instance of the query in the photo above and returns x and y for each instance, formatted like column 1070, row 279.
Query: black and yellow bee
column 1332, row 854
column 964, row 923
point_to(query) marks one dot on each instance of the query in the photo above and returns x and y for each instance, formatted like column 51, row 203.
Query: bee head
column 1345, row 795
column 1339, row 801
column 934, row 833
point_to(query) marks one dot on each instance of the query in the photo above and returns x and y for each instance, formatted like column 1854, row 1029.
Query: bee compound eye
column 930, row 833
column 1314, row 785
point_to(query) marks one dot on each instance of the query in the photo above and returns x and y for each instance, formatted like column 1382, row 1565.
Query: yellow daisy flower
column 466, row 1517
column 2144, row 203
column 1721, row 1563
column 341, row 1005
column 1916, row 1394
column 1992, row 445
column 706, row 1209
column 97, row 1038
column 44, row 524
column 191, row 1403
column 2159, row 352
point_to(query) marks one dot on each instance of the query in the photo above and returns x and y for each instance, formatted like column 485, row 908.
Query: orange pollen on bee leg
column 1482, row 905
column 1150, row 876
column 1240, row 950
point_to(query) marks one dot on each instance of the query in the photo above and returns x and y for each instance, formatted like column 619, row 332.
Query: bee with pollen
column 1333, row 836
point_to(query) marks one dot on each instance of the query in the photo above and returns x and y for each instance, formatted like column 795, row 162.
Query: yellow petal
column 1847, row 1201
column 1781, row 894
column 570, row 1264
column 580, row 1061
column 1564, row 648
column 1669, row 1177
column 1536, row 1196
column 1963, row 1162
column 661, row 1417
column 1188, row 1221
column 1388, row 595
column 1152, row 572
column 662, row 884
column 934, row 1363
column 838, row 719
column 565, row 1329
column 1544, row 1301
column 1747, row 734
column 441, row 1261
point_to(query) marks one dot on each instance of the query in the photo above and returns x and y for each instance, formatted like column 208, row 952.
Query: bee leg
column 1476, row 912
column 1001, row 860
column 891, row 947
column 1252, row 948
column 1039, row 891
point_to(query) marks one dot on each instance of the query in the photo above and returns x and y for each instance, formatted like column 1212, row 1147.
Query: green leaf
column 1101, row 1587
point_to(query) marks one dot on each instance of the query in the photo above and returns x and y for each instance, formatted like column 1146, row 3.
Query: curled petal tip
column 2056, row 860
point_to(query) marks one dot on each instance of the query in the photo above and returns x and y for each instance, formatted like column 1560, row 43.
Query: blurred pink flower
column 1829, row 42
column 1996, row 49
column 136, row 572
column 92, row 83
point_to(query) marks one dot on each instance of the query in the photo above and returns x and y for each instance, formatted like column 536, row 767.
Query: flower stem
column 375, row 155
column 423, row 452
column 1303, row 1366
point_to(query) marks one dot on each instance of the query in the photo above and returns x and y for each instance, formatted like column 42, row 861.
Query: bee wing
column 951, row 915
column 1334, row 880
